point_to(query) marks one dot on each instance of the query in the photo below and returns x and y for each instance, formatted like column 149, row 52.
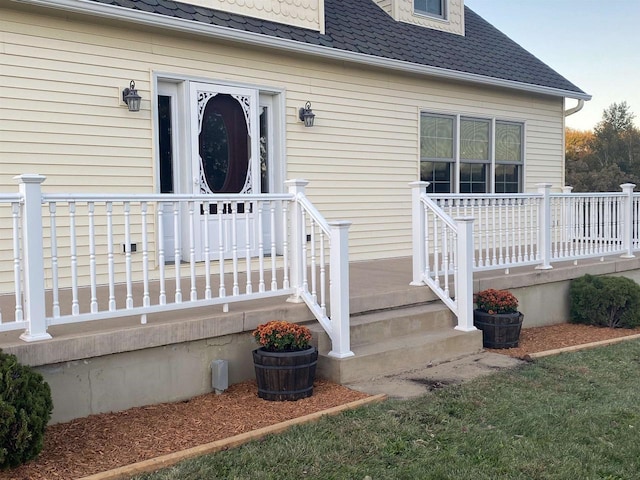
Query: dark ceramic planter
column 499, row 330
column 285, row 375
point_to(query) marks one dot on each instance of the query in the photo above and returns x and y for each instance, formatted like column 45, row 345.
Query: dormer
column 297, row 13
column 445, row 15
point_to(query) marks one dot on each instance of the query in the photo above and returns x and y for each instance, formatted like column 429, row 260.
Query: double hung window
column 433, row 8
column 461, row 154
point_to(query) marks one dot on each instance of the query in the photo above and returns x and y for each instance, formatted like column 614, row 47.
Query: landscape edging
column 575, row 348
column 164, row 461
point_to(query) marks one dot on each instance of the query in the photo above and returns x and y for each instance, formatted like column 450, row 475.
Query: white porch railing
column 505, row 231
column 73, row 256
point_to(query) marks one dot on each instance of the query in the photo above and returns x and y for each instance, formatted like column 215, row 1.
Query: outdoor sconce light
column 306, row 115
column 131, row 98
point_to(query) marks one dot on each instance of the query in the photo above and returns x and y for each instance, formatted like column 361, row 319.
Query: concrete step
column 376, row 326
column 398, row 354
column 396, row 339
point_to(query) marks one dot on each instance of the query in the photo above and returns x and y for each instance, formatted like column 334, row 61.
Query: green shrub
column 605, row 301
column 25, row 409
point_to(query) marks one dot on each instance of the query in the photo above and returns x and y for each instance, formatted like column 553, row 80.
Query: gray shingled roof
column 361, row 26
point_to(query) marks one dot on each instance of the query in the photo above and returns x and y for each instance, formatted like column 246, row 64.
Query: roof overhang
column 88, row 7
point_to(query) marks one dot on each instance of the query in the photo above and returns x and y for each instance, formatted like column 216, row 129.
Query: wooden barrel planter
column 499, row 330
column 285, row 375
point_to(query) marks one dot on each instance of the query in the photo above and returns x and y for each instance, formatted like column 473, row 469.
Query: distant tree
column 607, row 157
column 612, row 137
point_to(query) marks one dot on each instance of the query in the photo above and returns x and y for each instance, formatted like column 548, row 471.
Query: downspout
column 569, row 111
column 575, row 109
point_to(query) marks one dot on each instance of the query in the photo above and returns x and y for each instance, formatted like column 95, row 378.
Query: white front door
column 225, row 159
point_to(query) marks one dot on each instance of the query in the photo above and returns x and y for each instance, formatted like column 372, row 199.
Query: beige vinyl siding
column 62, row 116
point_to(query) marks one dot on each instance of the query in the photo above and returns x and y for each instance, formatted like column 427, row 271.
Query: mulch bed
column 102, row 442
column 541, row 339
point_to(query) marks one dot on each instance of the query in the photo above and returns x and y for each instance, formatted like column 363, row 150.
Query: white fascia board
column 255, row 39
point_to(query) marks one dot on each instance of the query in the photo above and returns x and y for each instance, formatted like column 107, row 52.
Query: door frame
column 178, row 86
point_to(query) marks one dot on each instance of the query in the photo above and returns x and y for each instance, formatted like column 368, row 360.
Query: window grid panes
column 438, row 139
column 507, row 178
column 474, row 139
column 473, row 177
column 508, row 142
column 434, row 8
column 436, row 134
column 438, row 174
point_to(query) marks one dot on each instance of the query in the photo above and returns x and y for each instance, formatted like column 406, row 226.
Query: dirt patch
column 540, row 339
column 101, row 442
column 432, row 384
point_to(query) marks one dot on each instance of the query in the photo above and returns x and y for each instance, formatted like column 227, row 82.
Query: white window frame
column 445, row 11
column 455, row 171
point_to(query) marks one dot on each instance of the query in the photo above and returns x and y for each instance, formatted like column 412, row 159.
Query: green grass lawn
column 574, row 416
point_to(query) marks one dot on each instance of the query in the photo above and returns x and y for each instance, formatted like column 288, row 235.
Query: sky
column 595, row 44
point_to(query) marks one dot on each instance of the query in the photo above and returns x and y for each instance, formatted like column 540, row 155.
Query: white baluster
column 303, row 249
column 323, row 277
column 272, row 217
column 53, row 234
column 247, row 245
column 146, row 298
column 127, row 253
column 162, row 297
column 221, row 236
column 234, row 246
column 110, row 259
column 285, row 244
column 17, row 264
column 314, row 294
column 75, row 305
column 261, row 287
column 177, row 256
column 193, row 293
column 445, row 257
column 207, row 251
column 92, row 257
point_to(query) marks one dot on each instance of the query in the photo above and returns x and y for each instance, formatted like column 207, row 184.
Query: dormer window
column 433, row 8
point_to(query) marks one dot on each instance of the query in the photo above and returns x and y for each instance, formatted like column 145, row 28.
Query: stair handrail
column 305, row 214
column 434, row 264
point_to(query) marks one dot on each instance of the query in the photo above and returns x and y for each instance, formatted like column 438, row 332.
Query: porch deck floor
column 374, row 285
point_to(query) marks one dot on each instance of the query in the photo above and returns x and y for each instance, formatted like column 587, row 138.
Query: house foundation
column 104, row 366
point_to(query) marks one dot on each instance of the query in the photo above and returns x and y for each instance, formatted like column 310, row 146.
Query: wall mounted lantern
column 306, row 115
column 131, row 98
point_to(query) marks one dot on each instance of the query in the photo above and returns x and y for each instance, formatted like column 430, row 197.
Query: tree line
column 602, row 159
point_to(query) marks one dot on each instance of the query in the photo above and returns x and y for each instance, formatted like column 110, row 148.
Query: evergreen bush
column 605, row 301
column 25, row 409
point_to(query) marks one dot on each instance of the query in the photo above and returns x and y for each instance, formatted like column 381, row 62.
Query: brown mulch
column 101, row 442
column 541, row 339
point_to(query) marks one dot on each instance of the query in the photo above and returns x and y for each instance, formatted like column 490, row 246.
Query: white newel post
column 296, row 187
column 464, row 274
column 544, row 226
column 627, row 189
column 33, row 257
column 417, row 230
column 339, row 289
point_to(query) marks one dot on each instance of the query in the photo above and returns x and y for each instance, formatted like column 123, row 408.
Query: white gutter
column 576, row 109
column 122, row 14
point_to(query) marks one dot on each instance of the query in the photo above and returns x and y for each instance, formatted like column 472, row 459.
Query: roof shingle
column 361, row 26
